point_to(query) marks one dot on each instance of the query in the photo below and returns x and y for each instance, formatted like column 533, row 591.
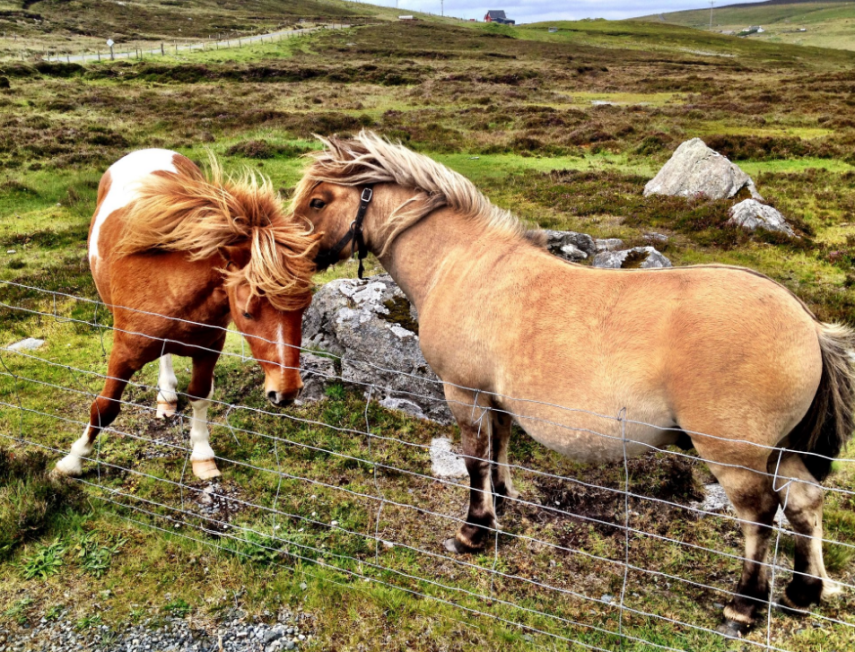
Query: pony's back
column 119, row 187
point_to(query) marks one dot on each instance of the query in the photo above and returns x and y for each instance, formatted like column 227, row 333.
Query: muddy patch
column 657, row 487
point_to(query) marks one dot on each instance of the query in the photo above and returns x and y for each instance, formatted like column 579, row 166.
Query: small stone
column 655, row 237
column 11, row 251
column 752, row 215
column 444, row 462
column 29, row 344
column 637, row 257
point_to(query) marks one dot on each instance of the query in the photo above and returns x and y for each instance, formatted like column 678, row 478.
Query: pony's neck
column 418, row 256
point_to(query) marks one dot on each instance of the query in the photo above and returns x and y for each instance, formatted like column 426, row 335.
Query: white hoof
column 205, row 469
column 166, row 410
column 69, row 465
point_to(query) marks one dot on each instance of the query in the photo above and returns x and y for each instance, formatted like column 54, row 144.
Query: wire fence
column 155, row 50
column 605, row 558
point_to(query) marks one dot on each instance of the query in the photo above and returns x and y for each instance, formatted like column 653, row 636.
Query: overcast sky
column 531, row 11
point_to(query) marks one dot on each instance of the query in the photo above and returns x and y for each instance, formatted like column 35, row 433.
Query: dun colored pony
column 516, row 333
column 176, row 258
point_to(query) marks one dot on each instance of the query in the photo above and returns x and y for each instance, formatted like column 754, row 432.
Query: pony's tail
column 828, row 424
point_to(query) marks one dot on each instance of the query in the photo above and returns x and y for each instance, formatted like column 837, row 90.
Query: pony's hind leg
column 755, row 502
column 167, row 399
column 503, row 485
column 473, row 417
column 201, row 389
column 801, row 495
column 105, row 408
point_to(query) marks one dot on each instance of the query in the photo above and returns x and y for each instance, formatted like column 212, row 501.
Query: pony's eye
column 246, row 315
column 317, row 204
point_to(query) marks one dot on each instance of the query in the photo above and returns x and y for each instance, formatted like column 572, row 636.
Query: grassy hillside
column 564, row 129
column 827, row 24
column 30, row 26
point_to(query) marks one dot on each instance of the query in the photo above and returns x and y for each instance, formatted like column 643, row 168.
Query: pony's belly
column 595, row 440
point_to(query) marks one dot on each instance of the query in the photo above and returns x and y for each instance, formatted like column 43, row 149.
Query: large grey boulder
column 570, row 245
column 695, row 169
column 373, row 329
column 643, row 257
column 751, row 215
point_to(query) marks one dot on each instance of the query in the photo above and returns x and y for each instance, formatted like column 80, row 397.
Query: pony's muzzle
column 283, row 399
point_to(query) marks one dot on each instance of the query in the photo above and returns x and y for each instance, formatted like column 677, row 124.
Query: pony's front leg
column 473, row 416
column 105, row 408
column 167, row 399
column 202, row 385
column 503, row 485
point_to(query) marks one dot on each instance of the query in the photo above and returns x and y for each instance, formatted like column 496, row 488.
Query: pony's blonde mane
column 369, row 159
column 202, row 216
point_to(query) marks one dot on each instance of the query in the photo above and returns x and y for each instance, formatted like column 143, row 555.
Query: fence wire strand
column 613, row 622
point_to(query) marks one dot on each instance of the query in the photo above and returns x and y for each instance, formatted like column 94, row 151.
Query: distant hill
column 165, row 19
column 827, row 23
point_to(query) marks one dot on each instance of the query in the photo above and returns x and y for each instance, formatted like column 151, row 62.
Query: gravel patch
column 235, row 634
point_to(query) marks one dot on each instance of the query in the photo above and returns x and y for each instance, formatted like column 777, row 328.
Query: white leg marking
column 202, row 457
column 72, row 464
column 167, row 399
column 199, row 435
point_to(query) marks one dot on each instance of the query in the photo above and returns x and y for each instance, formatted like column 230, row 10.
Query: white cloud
column 527, row 11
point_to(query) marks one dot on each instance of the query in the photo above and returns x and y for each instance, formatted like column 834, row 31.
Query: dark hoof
column 733, row 628
column 800, row 595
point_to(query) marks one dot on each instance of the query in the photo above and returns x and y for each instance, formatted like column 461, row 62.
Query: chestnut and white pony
column 515, row 333
column 176, row 257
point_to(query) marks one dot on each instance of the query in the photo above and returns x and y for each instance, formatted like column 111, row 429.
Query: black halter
column 353, row 237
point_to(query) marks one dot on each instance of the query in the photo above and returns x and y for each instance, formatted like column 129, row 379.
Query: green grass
column 828, row 24
column 512, row 109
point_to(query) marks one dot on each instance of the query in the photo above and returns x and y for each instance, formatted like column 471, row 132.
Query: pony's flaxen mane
column 369, row 159
column 189, row 212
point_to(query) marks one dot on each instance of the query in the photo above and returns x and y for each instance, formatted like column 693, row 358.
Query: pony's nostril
column 271, row 396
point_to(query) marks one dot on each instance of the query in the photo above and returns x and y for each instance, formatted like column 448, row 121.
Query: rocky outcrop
column 695, row 169
column 608, row 244
column 751, row 215
column 637, row 257
column 372, row 328
column 570, row 245
column 317, row 373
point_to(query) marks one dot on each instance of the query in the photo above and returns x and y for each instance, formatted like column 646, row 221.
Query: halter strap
column 354, row 237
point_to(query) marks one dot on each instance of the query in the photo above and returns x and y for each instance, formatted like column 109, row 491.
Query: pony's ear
column 237, row 256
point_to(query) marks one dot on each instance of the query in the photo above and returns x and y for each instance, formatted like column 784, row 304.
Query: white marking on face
column 124, row 174
column 280, row 345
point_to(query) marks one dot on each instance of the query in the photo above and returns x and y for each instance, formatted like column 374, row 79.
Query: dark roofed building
column 498, row 16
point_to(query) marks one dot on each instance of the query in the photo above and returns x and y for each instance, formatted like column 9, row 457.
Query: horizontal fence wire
column 531, row 600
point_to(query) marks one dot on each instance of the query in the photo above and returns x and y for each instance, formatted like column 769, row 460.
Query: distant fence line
column 174, row 47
